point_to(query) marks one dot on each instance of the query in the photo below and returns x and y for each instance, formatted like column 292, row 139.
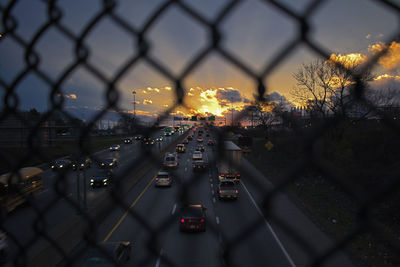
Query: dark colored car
column 199, row 166
column 108, row 163
column 227, row 189
column 81, row 163
column 211, row 143
column 190, row 137
column 180, row 148
column 62, row 164
column 185, row 141
column 148, row 141
column 109, row 254
column 193, row 219
column 128, row 141
column 200, row 148
column 101, row 178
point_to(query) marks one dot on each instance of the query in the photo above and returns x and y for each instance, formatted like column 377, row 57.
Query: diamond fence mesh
column 86, row 229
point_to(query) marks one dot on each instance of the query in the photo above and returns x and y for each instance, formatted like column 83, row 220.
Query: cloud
column 70, row 96
column 391, row 59
column 368, row 36
column 348, row 60
column 147, row 102
column 229, row 95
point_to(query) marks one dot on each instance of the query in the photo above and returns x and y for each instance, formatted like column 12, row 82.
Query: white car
column 163, row 179
column 115, row 148
column 171, row 160
column 197, row 155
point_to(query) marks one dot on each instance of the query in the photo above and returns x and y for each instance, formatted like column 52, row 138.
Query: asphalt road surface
column 157, row 240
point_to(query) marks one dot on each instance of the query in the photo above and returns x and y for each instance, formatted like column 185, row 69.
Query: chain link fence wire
column 115, row 198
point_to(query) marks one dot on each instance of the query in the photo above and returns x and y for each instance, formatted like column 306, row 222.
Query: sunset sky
column 254, row 32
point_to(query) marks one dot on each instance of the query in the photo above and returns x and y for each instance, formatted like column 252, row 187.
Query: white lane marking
column 185, row 169
column 210, row 180
column 217, row 219
column 212, row 185
column 209, row 176
column 269, row 227
column 159, row 258
column 173, row 209
column 212, row 192
column 214, row 199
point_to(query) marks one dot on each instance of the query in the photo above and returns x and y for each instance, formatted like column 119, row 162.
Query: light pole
column 134, row 104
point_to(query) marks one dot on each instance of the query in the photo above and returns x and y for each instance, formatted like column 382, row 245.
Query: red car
column 193, row 219
column 211, row 143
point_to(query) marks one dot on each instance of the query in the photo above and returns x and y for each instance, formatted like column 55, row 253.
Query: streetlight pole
column 134, row 104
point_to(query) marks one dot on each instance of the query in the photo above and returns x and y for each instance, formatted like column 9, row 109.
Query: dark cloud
column 229, row 95
column 246, row 100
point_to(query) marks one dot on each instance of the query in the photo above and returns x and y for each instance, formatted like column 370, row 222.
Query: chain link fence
column 86, row 229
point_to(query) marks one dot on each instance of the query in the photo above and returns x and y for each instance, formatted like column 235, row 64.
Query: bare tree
column 325, row 86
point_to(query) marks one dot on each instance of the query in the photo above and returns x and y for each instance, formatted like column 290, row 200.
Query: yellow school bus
column 16, row 187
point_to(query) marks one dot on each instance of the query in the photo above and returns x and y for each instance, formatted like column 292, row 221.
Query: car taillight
column 219, row 192
column 156, row 179
column 168, row 179
column 238, row 175
column 182, row 220
column 204, row 166
column 202, row 220
column 194, row 166
column 236, row 191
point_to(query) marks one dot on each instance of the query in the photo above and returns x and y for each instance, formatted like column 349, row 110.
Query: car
column 171, row 160
column 81, row 163
column 138, row 137
column 208, row 134
column 185, row 141
column 197, row 155
column 180, row 148
column 61, row 164
column 193, row 218
column 100, row 178
column 190, row 137
column 128, row 141
column 160, row 138
column 168, row 133
column 109, row 254
column 108, row 163
column 227, row 189
column 3, row 247
column 200, row 139
column 200, row 148
column 199, row 165
column 211, row 143
column 163, row 179
column 115, row 148
column 148, row 141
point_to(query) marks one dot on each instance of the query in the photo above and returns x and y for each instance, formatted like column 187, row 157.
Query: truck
column 228, row 165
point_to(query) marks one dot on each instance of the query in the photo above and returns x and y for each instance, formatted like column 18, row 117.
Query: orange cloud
column 384, row 77
column 392, row 57
column 147, row 102
column 349, row 61
column 70, row 96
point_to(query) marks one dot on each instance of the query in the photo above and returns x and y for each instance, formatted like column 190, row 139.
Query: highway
column 53, row 208
column 157, row 240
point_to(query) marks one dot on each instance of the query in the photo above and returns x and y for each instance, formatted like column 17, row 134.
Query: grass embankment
column 61, row 148
column 367, row 158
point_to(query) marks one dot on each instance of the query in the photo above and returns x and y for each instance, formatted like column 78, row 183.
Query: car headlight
column 61, row 166
column 91, row 180
column 52, row 166
column 105, row 180
column 110, row 164
column 82, row 165
column 102, row 164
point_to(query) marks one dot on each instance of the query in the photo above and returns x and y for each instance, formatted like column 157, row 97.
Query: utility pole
column 134, row 104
